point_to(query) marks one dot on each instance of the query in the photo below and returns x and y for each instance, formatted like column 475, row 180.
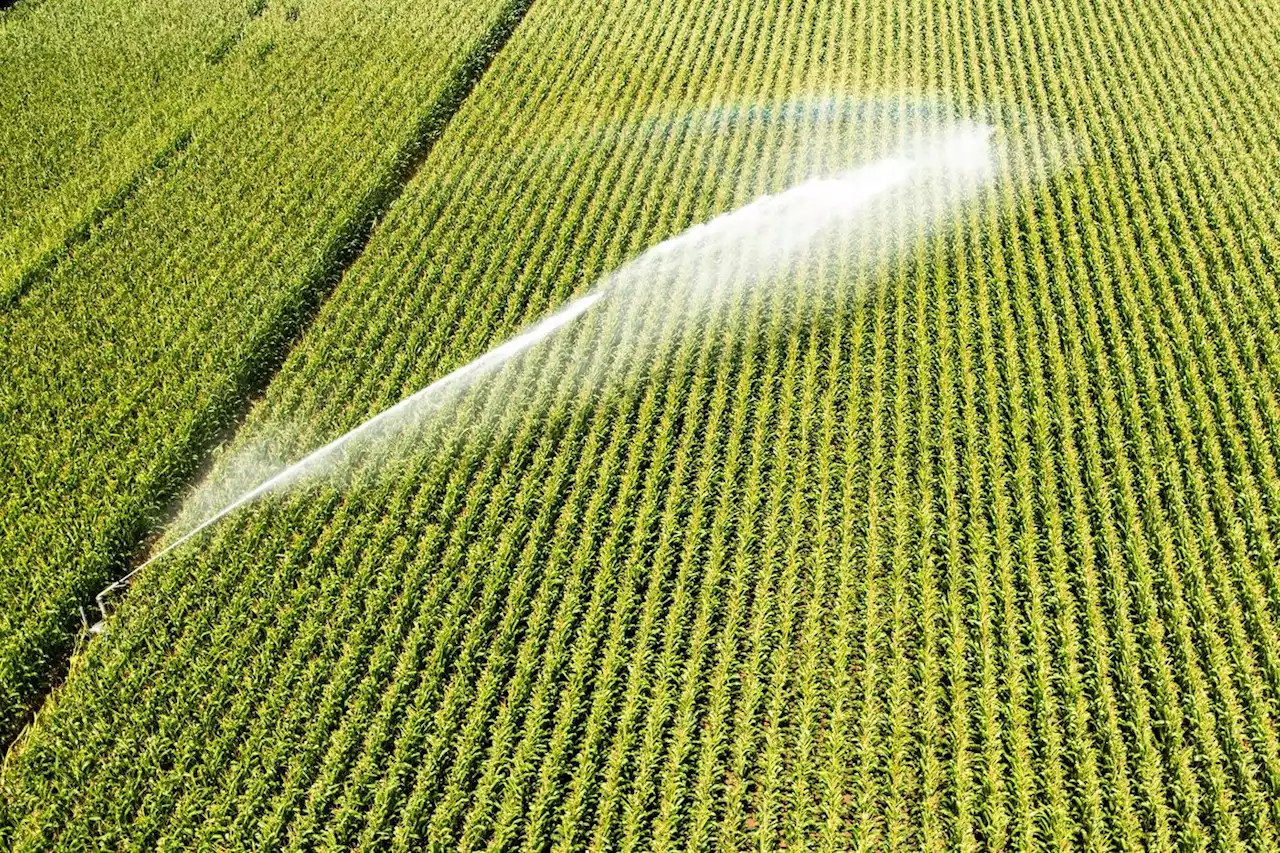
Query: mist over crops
column 820, row 426
column 705, row 266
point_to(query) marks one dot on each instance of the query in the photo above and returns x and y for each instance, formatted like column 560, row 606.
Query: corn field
column 955, row 533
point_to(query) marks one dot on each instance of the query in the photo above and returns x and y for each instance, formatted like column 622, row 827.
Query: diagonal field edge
column 267, row 354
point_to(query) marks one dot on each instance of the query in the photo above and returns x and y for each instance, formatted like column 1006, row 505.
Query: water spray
column 431, row 394
column 774, row 227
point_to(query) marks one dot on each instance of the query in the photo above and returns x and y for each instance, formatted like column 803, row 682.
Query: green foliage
column 137, row 351
column 94, row 96
column 969, row 545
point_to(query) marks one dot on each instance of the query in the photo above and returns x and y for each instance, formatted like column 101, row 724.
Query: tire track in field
column 114, row 199
column 40, row 269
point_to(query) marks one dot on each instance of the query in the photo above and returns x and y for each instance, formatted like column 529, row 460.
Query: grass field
column 955, row 534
